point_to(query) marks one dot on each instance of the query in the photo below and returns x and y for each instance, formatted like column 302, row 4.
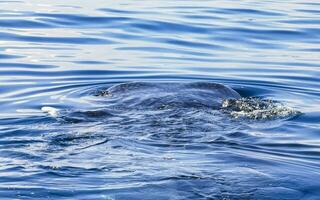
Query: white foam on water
column 255, row 108
column 50, row 110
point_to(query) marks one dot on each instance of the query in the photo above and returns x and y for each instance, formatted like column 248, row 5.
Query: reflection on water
column 167, row 137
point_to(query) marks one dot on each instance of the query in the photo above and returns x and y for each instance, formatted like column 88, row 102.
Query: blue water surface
column 59, row 54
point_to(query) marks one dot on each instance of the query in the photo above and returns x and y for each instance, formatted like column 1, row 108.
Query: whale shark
column 175, row 96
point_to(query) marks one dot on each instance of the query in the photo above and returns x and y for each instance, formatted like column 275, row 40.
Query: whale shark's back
column 145, row 95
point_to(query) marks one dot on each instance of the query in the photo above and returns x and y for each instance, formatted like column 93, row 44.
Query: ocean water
column 118, row 99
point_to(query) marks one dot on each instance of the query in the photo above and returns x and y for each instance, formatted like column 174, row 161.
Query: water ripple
column 42, row 39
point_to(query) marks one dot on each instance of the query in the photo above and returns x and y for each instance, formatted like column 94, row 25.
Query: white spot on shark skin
column 50, row 110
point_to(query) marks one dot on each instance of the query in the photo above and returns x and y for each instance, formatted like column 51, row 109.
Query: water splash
column 257, row 109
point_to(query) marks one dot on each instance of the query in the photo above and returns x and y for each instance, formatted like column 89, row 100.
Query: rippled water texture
column 68, row 130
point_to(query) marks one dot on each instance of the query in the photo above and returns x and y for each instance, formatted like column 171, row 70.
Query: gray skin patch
column 150, row 96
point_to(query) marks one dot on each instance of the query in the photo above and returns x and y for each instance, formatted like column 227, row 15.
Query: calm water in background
column 57, row 53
